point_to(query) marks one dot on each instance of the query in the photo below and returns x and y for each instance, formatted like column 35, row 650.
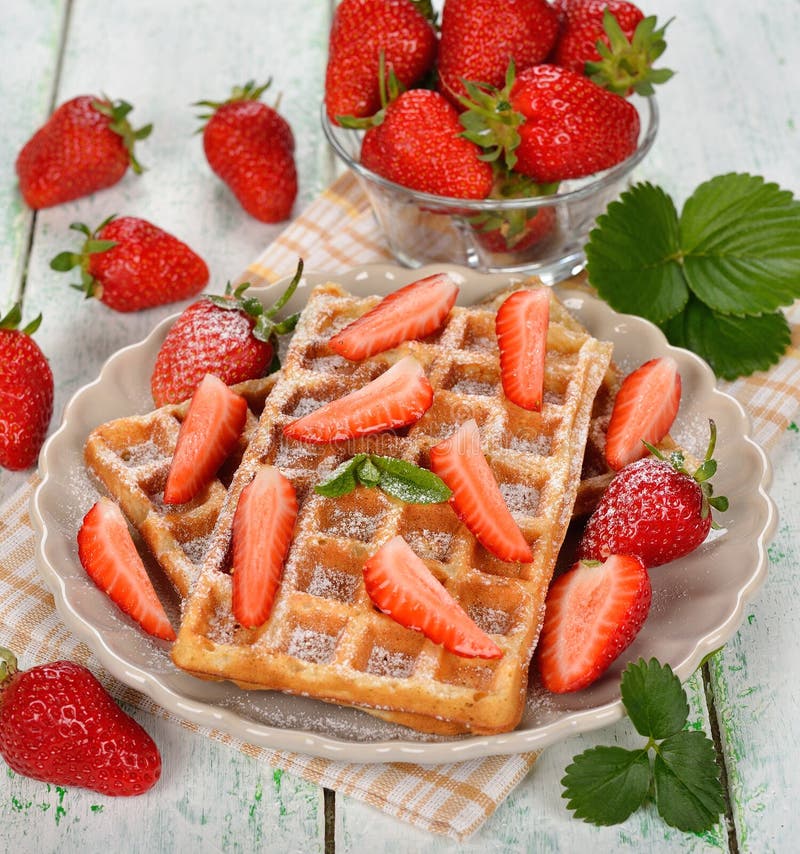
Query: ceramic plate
column 698, row 602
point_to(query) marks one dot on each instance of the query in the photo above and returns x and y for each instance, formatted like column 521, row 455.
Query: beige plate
column 698, row 602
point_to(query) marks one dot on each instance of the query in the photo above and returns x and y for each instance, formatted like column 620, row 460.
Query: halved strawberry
column 409, row 313
column 108, row 554
column 592, row 613
column 644, row 410
column 521, row 327
column 399, row 396
column 476, row 498
column 262, row 532
column 215, row 418
column 400, row 584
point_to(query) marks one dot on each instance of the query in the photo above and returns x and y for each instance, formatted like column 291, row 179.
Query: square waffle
column 324, row 638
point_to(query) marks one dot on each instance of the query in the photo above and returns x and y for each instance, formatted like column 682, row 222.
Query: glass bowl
column 422, row 228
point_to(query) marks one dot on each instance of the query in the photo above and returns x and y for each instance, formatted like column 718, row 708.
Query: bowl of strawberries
column 495, row 136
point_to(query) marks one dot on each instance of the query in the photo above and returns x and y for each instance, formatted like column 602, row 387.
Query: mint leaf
column 733, row 346
column 688, row 790
column 739, row 237
column 654, row 699
column 368, row 474
column 605, row 785
column 342, row 479
column 412, row 484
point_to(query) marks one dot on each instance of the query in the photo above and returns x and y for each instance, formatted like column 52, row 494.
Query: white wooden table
column 733, row 106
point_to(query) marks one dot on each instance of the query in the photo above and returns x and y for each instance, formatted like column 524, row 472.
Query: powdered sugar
column 385, row 662
column 332, row 584
column 310, row 645
column 521, row 499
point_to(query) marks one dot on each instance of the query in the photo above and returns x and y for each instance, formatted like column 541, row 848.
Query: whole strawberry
column 26, row 393
column 250, row 146
column 58, row 725
column 231, row 336
column 366, row 32
column 654, row 509
column 130, row 264
column 85, row 146
column 418, row 143
column 480, row 37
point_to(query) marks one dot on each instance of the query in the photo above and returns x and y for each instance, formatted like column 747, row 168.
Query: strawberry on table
column 130, row 264
column 108, row 554
column 398, row 33
column 593, row 612
column 213, row 424
column 250, row 146
column 654, row 509
column 400, row 585
column 644, row 410
column 407, row 314
column 521, row 327
column 26, row 392
column 262, row 533
column 59, row 725
column 476, row 499
column 400, row 396
column 85, row 146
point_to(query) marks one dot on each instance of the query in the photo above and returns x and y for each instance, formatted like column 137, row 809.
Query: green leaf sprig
column 605, row 785
column 712, row 277
column 398, row 478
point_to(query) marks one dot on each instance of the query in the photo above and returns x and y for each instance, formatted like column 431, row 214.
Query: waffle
column 324, row 638
column 131, row 457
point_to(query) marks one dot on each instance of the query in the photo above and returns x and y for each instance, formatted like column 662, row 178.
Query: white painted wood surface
column 734, row 105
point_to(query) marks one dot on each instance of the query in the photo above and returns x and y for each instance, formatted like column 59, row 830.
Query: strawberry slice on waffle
column 521, row 327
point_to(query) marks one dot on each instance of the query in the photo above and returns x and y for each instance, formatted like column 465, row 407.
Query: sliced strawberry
column 592, row 613
column 399, row 396
column 213, row 423
column 521, row 327
column 108, row 554
column 412, row 312
column 476, row 498
column 644, row 410
column 400, row 584
column 262, row 532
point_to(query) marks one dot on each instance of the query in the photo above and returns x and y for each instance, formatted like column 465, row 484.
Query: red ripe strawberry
column 476, row 498
column 250, row 146
column 262, row 533
column 58, row 725
column 213, row 424
column 480, row 38
column 364, row 34
column 398, row 397
column 26, row 393
column 85, row 146
column 108, row 554
column 654, row 509
column 515, row 231
column 407, row 314
column 613, row 43
column 402, row 586
column 592, row 613
column 521, row 327
column 644, row 410
column 230, row 336
column 418, row 144
column 130, row 264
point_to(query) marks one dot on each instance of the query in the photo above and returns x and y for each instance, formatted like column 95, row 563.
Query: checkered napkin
column 336, row 232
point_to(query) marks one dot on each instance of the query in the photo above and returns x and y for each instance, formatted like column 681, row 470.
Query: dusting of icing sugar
column 353, row 524
column 221, row 626
column 493, row 621
column 385, row 662
column 142, row 454
column 432, row 545
column 481, row 342
column 331, row 584
column 475, row 387
column 539, row 444
column 310, row 645
column 305, row 405
column 329, row 364
column 521, row 499
column 197, row 549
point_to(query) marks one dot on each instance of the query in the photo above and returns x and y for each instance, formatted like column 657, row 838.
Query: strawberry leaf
column 654, row 699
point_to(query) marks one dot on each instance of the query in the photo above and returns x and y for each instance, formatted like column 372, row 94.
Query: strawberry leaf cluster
column 605, row 785
column 713, row 276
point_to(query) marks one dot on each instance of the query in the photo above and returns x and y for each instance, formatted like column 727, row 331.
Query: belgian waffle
column 324, row 638
column 131, row 457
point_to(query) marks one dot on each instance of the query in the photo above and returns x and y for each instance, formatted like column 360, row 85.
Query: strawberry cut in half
column 262, row 533
column 213, row 424
column 592, row 613
column 398, row 397
column 109, row 556
column 409, row 313
column 400, row 585
column 476, row 498
column 521, row 327
column 644, row 410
